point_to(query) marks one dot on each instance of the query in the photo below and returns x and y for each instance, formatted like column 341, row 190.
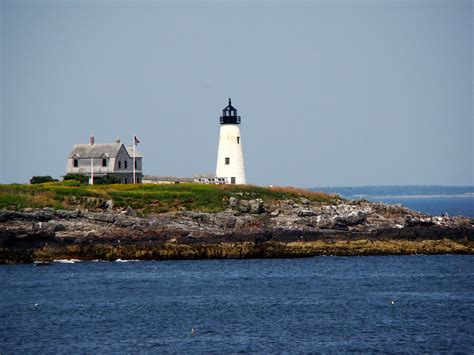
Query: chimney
column 117, row 140
column 91, row 140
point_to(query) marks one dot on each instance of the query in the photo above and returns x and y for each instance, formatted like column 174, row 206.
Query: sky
column 334, row 93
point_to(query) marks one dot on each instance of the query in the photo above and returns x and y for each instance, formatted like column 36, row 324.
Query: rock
column 129, row 212
column 351, row 218
column 244, row 206
column 233, row 202
column 58, row 227
column 325, row 223
column 306, row 213
column 304, row 201
column 275, row 213
column 123, row 222
column 418, row 221
column 257, row 206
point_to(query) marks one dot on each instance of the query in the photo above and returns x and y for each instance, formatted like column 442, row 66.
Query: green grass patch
column 146, row 198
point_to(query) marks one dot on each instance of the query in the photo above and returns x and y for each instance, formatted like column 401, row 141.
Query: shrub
column 107, row 180
column 41, row 179
column 78, row 177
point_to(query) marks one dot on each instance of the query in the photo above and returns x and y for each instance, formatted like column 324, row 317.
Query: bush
column 41, row 179
column 107, row 180
column 78, row 177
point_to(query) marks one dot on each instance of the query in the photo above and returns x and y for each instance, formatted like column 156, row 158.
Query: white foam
column 67, row 261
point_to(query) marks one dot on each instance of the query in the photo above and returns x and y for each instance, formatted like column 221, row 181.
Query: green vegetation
column 71, row 194
column 77, row 177
column 107, row 180
column 41, row 179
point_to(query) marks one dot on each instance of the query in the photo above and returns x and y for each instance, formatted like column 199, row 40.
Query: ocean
column 433, row 200
column 433, row 205
column 322, row 304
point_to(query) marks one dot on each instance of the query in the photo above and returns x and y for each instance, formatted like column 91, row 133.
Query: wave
column 66, row 261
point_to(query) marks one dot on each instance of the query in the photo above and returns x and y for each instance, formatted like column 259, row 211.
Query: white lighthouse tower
column 230, row 159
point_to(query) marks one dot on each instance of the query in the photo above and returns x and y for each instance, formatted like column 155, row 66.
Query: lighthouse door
column 232, row 180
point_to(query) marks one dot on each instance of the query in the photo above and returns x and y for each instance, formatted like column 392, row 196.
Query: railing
column 230, row 119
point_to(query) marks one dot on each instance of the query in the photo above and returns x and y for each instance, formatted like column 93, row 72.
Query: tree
column 41, row 179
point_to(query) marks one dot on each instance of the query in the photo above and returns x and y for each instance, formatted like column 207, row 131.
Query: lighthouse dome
column 229, row 114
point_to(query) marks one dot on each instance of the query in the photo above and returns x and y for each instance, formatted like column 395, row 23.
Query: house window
column 125, row 164
column 104, row 162
column 227, row 161
column 120, row 164
column 138, row 180
column 136, row 165
column 238, row 140
column 76, row 163
column 125, row 180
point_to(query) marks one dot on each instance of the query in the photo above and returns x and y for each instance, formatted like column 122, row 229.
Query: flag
column 135, row 140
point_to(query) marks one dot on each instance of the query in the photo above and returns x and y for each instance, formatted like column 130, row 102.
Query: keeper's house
column 105, row 159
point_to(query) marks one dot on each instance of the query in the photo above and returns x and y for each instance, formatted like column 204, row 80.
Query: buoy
column 392, row 302
column 36, row 304
column 193, row 332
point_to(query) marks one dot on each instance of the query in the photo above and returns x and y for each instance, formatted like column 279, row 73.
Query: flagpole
column 134, row 149
column 92, row 171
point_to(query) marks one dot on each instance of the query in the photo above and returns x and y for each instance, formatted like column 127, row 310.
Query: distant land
column 431, row 199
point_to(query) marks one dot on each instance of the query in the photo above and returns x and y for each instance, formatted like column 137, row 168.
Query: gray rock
column 306, row 213
column 257, row 206
column 304, row 201
column 129, row 212
column 351, row 218
column 233, row 202
column 244, row 206
column 275, row 213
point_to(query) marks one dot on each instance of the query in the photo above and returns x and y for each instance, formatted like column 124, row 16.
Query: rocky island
column 67, row 220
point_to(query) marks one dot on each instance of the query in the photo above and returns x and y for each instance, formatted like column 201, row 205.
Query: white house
column 96, row 160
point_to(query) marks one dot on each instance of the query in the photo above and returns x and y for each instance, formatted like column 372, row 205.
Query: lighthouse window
column 238, row 140
column 227, row 161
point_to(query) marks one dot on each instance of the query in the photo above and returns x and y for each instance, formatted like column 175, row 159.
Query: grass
column 146, row 198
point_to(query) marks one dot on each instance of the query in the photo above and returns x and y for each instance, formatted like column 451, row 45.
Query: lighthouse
column 230, row 158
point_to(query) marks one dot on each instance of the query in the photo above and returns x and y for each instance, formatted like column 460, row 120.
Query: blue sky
column 330, row 92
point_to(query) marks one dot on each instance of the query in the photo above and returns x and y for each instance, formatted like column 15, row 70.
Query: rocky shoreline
column 247, row 229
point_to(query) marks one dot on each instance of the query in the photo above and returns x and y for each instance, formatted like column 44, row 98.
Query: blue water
column 327, row 304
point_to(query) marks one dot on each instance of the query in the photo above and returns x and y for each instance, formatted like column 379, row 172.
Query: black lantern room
column 229, row 115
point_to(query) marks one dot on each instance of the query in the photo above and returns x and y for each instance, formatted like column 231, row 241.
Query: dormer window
column 104, row 162
column 75, row 163
column 125, row 164
column 120, row 165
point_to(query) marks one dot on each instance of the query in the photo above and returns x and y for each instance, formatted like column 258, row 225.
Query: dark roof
column 229, row 107
column 111, row 150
